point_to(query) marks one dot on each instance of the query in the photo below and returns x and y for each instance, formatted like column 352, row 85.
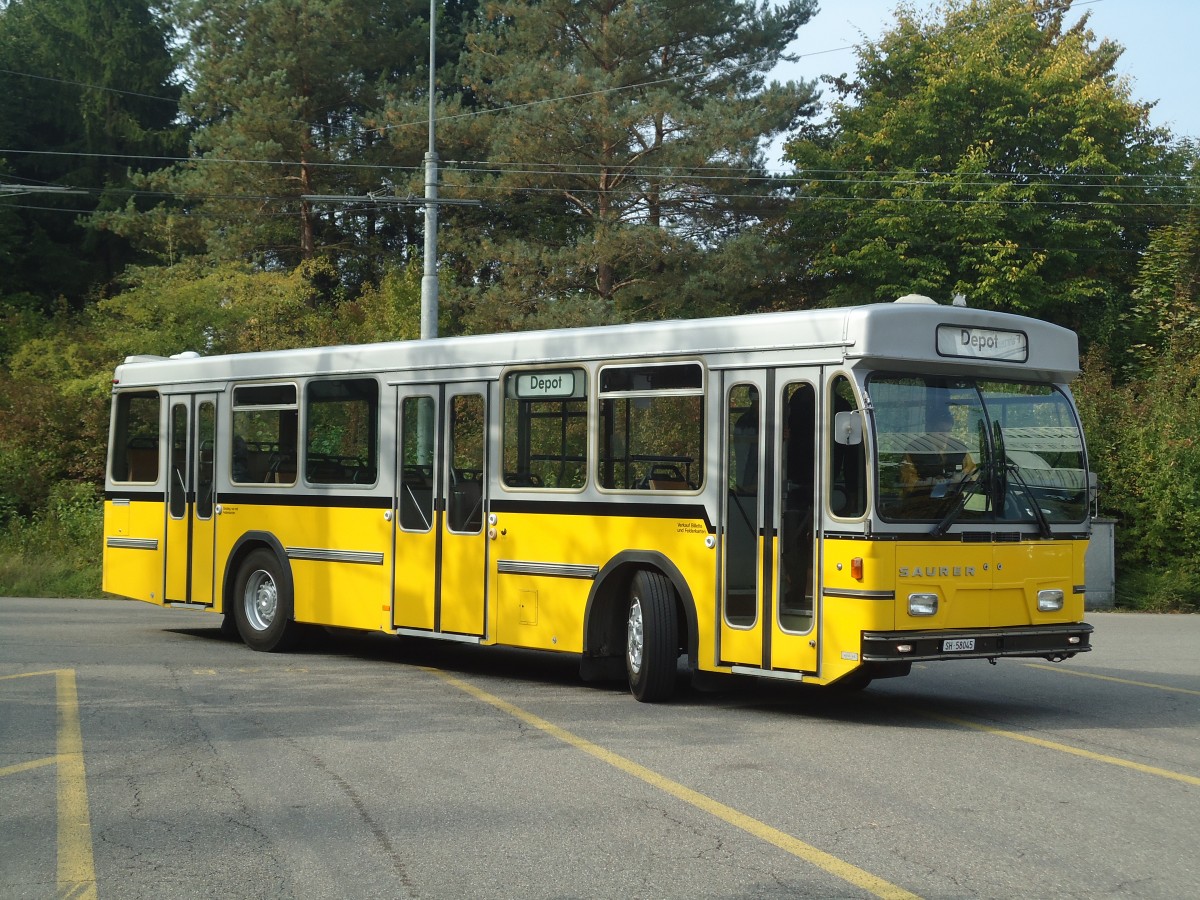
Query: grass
column 1175, row 590
column 56, row 553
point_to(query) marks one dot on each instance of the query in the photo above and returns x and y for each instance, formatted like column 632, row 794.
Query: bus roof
column 915, row 334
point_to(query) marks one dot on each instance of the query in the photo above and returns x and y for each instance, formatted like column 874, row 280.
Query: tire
column 651, row 638
column 263, row 604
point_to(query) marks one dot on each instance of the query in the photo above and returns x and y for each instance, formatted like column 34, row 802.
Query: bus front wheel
column 264, row 604
column 651, row 638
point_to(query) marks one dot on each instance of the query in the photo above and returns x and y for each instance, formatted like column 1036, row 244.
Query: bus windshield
column 964, row 450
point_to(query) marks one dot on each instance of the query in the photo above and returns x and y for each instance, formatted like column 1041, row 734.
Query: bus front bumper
column 1053, row 642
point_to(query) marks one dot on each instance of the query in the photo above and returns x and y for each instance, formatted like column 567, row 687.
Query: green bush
column 1176, row 589
column 56, row 551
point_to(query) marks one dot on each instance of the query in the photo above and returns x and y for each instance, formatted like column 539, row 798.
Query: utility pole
column 429, row 278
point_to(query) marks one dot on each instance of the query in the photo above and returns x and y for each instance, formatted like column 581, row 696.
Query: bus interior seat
column 143, row 460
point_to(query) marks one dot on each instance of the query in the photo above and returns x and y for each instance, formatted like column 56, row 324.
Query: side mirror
column 848, row 428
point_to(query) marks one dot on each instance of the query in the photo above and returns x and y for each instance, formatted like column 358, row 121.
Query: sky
column 1159, row 37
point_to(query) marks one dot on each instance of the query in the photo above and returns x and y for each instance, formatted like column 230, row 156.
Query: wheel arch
column 605, row 613
column 243, row 547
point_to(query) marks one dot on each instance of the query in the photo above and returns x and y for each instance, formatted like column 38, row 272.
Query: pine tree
column 89, row 91
column 282, row 96
column 625, row 139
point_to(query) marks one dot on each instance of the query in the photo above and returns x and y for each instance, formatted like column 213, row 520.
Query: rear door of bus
column 191, row 498
column 441, row 503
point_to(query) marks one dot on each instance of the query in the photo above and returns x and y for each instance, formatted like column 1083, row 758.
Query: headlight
column 924, row 604
column 1050, row 601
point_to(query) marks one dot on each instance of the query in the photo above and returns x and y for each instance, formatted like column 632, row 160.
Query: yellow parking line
column 27, row 766
column 76, row 868
column 28, row 674
column 1146, row 684
column 831, row 864
column 1062, row 748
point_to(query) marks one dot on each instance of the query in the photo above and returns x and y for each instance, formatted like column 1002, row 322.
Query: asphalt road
column 143, row 755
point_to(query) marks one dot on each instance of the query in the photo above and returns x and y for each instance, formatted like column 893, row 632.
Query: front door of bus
column 768, row 555
column 191, row 498
column 441, row 546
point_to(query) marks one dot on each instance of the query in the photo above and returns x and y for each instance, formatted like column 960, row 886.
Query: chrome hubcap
column 634, row 637
column 261, row 600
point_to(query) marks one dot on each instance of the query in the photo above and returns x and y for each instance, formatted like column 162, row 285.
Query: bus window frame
column 235, row 407
column 375, row 428
column 826, row 463
column 120, row 429
column 590, row 412
column 699, row 465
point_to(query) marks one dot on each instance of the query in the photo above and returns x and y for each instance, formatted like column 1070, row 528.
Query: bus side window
column 545, row 429
column 652, row 427
column 265, row 433
column 847, row 471
column 135, row 438
column 342, row 424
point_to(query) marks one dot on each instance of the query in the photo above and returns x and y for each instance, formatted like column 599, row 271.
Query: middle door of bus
column 769, row 601
column 441, row 545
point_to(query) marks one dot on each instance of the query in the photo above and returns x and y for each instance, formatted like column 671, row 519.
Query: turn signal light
column 856, row 568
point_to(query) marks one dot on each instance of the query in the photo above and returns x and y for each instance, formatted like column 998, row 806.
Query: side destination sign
column 545, row 384
column 982, row 343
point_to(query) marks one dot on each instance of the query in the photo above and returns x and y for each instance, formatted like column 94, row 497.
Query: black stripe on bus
column 606, row 509
column 139, row 496
column 349, row 501
column 965, row 537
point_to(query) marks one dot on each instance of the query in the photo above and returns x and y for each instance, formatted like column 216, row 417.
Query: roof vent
column 917, row 298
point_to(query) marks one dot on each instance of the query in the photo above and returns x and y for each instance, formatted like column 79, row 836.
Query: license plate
column 957, row 645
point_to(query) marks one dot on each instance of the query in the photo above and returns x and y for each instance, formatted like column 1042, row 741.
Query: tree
column 88, row 87
column 1165, row 314
column 624, row 143
column 282, row 94
column 991, row 150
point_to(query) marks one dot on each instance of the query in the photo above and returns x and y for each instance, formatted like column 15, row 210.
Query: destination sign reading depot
column 982, row 343
column 545, row 384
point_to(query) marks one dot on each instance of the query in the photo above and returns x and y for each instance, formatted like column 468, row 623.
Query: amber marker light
column 856, row 568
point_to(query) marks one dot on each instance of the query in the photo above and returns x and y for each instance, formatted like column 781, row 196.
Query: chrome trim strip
column 556, row 570
column 120, row 543
column 363, row 557
column 859, row 595
column 439, row 635
column 770, row 673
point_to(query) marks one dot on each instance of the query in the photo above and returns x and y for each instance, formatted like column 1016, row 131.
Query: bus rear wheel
column 263, row 607
column 651, row 638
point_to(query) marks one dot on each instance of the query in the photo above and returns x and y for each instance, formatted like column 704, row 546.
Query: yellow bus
column 821, row 496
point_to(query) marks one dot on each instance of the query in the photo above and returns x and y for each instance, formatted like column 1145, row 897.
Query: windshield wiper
column 1043, row 522
column 959, row 502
